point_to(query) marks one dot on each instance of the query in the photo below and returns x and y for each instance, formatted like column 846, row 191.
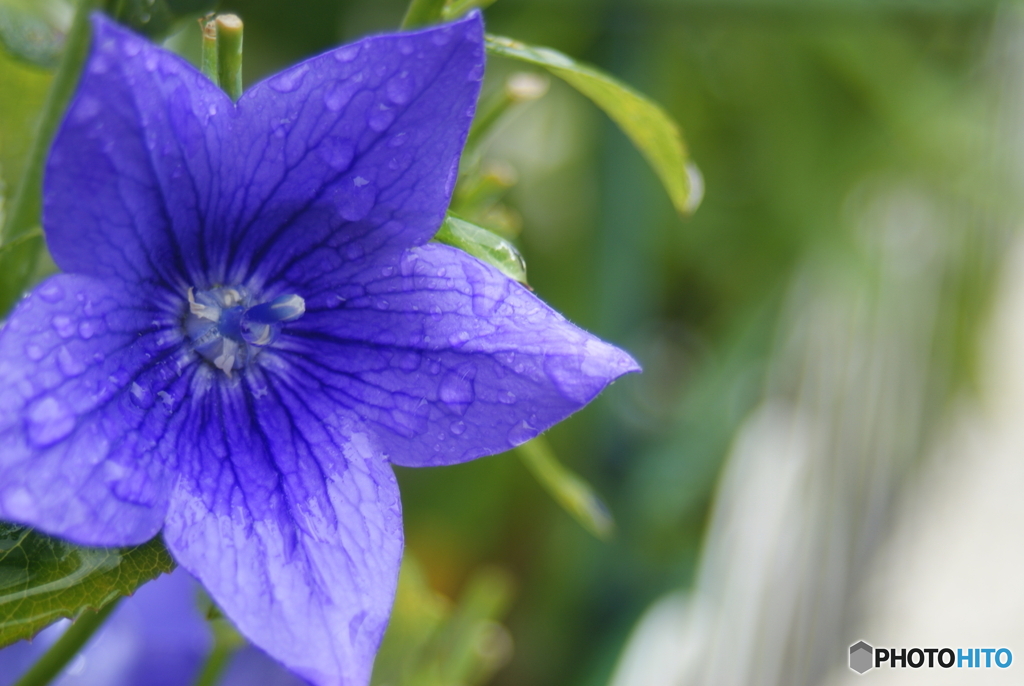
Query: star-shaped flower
column 253, row 327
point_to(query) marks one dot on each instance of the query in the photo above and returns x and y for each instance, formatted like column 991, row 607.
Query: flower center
column 228, row 326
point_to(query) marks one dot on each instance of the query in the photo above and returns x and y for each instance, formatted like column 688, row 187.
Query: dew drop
column 456, row 389
column 63, row 325
column 387, row 271
column 354, row 251
column 441, row 37
column 49, row 420
column 398, row 140
column 289, row 80
column 69, row 364
column 87, row 108
column 383, row 304
column 399, row 88
column 337, row 152
column 476, row 73
column 51, row 292
column 34, row 352
column 347, row 53
column 405, row 46
column 507, row 397
column 521, row 433
column 381, row 119
column 339, row 93
column 88, row 329
column 355, row 200
column 435, row 312
column 458, row 428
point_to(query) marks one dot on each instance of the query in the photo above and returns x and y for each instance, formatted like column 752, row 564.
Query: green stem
column 26, row 203
column 66, row 647
column 226, row 641
column 208, row 59
column 422, row 13
column 229, row 54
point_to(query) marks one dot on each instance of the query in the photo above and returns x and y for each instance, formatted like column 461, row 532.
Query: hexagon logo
column 861, row 657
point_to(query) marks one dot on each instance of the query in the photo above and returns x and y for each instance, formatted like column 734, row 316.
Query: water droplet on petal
column 347, row 53
column 458, row 428
column 382, row 304
column 70, row 365
column 399, row 89
column 381, row 119
column 521, row 433
column 355, row 199
column 507, row 397
column 64, row 326
column 441, row 37
column 339, row 93
column 88, row 329
column 49, row 420
column 354, row 251
column 288, row 80
column 476, row 73
column 34, row 352
column 337, row 152
column 87, row 108
column 398, row 140
column 456, row 389
column 51, row 292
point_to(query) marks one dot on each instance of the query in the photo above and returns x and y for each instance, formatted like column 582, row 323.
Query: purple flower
column 253, row 327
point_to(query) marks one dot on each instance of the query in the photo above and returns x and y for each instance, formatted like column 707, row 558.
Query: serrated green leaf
column 652, row 131
column 44, row 579
column 568, row 489
column 483, row 245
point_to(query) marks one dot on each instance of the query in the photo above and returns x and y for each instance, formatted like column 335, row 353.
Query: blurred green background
column 797, row 112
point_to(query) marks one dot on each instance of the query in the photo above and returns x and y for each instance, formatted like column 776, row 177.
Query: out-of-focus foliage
column 31, row 32
column 43, row 579
column 431, row 641
column 646, row 124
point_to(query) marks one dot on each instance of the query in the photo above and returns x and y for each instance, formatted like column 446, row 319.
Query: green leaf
column 569, row 490
column 652, row 131
column 483, row 245
column 454, row 9
column 43, row 579
column 18, row 260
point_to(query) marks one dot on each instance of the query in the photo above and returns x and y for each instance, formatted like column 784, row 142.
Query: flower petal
column 447, row 358
column 353, row 150
column 292, row 522
column 89, row 386
column 131, row 183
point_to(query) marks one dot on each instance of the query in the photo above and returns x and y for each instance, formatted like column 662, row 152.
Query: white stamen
column 202, row 311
